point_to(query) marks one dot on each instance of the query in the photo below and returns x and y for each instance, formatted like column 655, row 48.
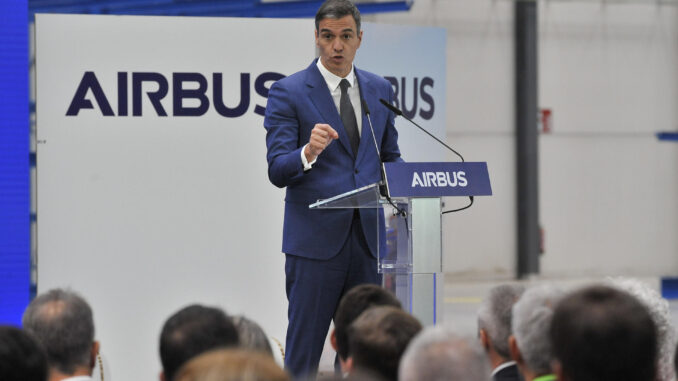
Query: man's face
column 338, row 40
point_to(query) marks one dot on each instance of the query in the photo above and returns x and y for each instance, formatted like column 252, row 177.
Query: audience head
column 530, row 344
column 354, row 303
column 191, row 331
column 601, row 333
column 251, row 335
column 21, row 356
column 62, row 322
column 494, row 321
column 660, row 312
column 378, row 338
column 231, row 365
column 437, row 353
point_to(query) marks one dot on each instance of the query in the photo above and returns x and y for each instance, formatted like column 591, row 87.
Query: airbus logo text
column 439, row 179
column 191, row 95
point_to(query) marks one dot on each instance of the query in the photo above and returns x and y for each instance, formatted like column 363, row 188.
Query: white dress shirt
column 333, row 81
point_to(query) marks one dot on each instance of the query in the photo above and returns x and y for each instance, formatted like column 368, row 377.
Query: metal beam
column 527, row 158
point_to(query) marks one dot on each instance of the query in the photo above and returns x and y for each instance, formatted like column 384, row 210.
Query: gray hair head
column 531, row 324
column 336, row 9
column 251, row 335
column 438, row 353
column 494, row 315
column 660, row 312
column 62, row 322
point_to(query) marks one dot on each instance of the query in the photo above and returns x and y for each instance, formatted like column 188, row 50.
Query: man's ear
column 557, row 368
column 94, row 352
column 348, row 365
column 484, row 340
column 162, row 376
column 333, row 340
column 514, row 350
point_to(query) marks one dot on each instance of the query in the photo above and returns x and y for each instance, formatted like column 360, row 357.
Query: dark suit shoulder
column 510, row 373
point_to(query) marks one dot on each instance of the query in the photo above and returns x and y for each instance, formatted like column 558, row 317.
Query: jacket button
column 356, row 171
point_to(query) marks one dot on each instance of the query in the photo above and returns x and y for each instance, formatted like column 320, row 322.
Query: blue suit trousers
column 314, row 288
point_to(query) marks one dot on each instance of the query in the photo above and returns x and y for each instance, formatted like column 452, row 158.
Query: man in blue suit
column 320, row 145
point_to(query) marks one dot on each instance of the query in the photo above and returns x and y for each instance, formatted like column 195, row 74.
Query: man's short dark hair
column 600, row 333
column 336, row 9
column 191, row 331
column 354, row 303
column 21, row 356
column 378, row 338
column 62, row 322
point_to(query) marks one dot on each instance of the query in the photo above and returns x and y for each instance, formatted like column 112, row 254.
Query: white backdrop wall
column 479, row 241
column 146, row 214
column 607, row 187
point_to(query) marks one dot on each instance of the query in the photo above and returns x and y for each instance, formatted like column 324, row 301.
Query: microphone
column 391, row 107
column 398, row 112
column 369, row 120
column 383, row 188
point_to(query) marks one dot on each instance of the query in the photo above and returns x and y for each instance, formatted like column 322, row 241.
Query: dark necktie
column 348, row 116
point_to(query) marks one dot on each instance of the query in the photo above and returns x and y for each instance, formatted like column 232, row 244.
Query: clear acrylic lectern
column 412, row 262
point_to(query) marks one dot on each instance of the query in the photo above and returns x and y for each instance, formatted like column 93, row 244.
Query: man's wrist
column 304, row 158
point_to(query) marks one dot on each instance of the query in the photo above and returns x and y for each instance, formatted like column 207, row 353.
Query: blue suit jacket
column 295, row 105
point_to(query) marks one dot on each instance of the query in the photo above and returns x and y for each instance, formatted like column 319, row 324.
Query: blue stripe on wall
column 14, row 161
column 670, row 288
column 667, row 136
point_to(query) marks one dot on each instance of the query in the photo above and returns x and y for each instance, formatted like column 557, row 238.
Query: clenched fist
column 321, row 136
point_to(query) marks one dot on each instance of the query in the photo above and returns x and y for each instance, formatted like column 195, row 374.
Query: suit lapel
column 322, row 99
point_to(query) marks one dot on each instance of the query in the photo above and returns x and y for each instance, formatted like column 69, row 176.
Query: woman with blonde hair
column 232, row 365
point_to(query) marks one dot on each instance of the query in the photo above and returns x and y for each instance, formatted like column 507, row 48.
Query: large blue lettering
column 179, row 94
column 241, row 108
column 89, row 82
column 154, row 96
column 427, row 98
column 261, row 89
column 186, row 86
column 122, row 93
column 419, row 91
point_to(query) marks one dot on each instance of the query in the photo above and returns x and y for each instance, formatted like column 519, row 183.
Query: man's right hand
column 321, row 136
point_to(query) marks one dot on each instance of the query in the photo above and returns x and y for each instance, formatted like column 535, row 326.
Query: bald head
column 62, row 322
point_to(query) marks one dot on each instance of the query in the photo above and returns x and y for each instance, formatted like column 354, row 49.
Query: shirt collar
column 502, row 366
column 333, row 79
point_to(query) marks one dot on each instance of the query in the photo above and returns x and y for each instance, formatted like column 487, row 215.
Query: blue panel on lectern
column 14, row 161
column 437, row 179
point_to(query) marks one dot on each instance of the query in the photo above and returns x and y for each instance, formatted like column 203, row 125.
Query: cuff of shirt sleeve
column 307, row 165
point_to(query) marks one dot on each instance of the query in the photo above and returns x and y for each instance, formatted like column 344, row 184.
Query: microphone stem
column 376, row 146
column 431, row 135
